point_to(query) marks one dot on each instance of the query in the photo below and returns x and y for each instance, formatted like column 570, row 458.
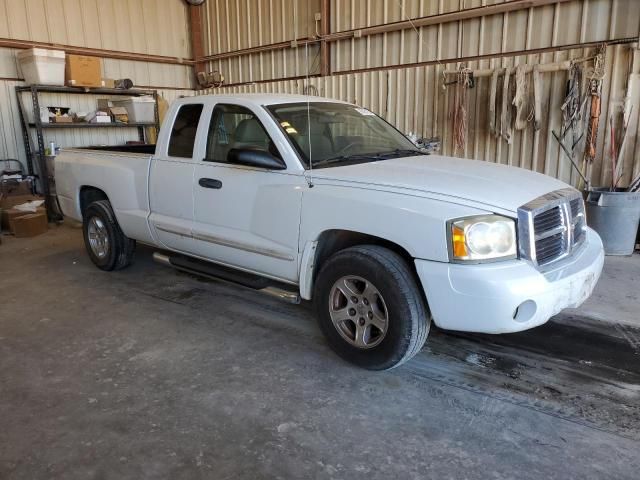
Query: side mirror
column 255, row 158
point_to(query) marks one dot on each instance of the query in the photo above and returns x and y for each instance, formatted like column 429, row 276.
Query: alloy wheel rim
column 98, row 237
column 358, row 311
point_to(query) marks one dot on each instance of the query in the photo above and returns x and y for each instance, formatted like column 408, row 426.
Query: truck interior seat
column 250, row 134
column 321, row 144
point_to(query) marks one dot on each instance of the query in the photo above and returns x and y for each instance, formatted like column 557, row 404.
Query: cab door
column 171, row 179
column 246, row 217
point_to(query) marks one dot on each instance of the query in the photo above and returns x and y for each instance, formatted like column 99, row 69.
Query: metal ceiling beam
column 96, row 52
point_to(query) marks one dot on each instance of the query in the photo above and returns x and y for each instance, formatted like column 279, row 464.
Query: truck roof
column 262, row 98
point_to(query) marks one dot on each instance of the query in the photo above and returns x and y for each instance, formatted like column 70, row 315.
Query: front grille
column 550, row 248
column 552, row 226
column 548, row 220
column 579, row 220
column 550, row 231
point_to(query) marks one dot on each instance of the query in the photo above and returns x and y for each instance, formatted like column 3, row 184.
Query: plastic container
column 615, row 216
column 41, row 66
column 139, row 109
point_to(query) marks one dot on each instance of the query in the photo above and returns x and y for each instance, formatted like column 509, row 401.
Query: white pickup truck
column 306, row 197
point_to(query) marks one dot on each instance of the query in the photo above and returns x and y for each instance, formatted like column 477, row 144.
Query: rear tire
column 370, row 307
column 108, row 248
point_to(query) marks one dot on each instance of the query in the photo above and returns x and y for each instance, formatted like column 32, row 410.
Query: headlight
column 482, row 237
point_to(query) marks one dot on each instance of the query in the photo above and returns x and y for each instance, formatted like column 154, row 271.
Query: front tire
column 370, row 308
column 108, row 248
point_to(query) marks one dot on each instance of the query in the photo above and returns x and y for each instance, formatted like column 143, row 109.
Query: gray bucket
column 615, row 216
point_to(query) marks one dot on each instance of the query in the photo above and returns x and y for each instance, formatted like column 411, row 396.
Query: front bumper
column 508, row 296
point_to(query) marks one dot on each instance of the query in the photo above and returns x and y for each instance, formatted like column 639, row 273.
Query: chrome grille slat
column 547, row 224
column 542, row 226
column 550, row 231
column 550, row 227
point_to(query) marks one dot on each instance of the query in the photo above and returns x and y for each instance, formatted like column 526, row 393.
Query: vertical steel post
column 325, row 29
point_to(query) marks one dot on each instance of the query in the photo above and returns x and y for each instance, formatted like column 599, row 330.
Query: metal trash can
column 615, row 216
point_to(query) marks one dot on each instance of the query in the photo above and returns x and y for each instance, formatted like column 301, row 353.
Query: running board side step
column 219, row 272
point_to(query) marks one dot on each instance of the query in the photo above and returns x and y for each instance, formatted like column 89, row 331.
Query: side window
column 183, row 133
column 233, row 126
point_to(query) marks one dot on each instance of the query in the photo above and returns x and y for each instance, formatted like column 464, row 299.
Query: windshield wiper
column 399, row 152
column 369, row 156
column 345, row 158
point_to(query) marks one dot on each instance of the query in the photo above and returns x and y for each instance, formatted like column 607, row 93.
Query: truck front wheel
column 108, row 248
column 370, row 308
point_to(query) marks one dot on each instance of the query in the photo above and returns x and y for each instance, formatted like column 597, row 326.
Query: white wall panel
column 158, row 27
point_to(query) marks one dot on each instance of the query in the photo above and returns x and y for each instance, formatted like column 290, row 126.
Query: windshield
column 337, row 133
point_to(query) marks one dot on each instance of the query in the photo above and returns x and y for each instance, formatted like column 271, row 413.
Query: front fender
column 415, row 223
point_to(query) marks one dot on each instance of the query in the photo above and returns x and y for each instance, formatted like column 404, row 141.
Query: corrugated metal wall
column 375, row 71
column 552, row 25
column 158, row 27
column 232, row 25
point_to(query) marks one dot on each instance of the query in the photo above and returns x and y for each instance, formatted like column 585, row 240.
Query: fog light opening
column 525, row 311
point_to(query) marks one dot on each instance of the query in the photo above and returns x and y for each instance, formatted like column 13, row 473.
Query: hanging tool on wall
column 572, row 108
column 537, row 97
column 493, row 89
column 594, row 119
column 464, row 82
column 594, row 74
column 573, row 104
column 520, row 99
column 505, row 109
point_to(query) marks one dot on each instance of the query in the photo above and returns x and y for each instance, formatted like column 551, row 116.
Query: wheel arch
column 332, row 241
column 89, row 194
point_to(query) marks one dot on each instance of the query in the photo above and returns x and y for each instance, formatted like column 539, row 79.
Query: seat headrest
column 249, row 130
column 317, row 128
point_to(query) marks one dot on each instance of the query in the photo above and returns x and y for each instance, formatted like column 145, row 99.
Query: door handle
column 210, row 183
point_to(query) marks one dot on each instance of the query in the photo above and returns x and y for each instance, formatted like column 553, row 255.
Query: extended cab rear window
column 183, row 133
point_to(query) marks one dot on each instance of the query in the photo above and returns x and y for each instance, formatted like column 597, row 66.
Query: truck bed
column 122, row 171
column 147, row 149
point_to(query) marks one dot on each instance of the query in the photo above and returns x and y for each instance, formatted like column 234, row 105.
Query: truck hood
column 480, row 182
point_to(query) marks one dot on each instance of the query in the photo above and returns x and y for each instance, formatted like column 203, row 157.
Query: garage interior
column 149, row 372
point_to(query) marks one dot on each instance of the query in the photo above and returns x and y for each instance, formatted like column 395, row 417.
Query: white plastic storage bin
column 41, row 66
column 139, row 109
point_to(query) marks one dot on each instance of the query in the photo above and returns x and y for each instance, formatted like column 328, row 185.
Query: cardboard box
column 104, row 104
column 109, row 83
column 9, row 188
column 9, row 216
column 119, row 114
column 83, row 71
column 62, row 119
column 11, row 201
column 30, row 225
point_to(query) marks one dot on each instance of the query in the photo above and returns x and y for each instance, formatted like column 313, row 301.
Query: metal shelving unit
column 92, row 125
column 39, row 127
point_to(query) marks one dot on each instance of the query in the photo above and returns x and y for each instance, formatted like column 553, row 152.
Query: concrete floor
column 149, row 373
